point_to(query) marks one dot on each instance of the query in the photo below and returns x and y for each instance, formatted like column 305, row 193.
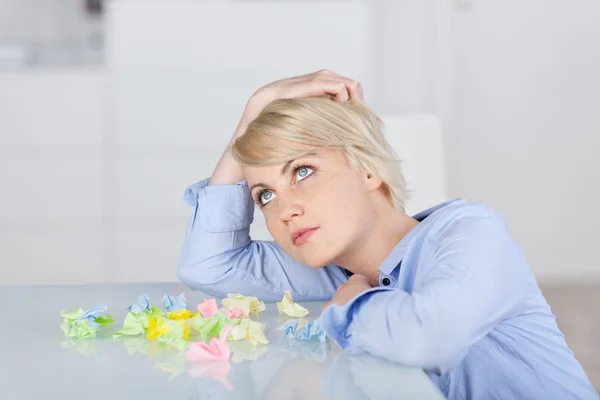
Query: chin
column 310, row 255
column 316, row 260
column 317, row 265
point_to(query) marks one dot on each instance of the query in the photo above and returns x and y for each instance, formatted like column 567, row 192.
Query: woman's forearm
column 228, row 171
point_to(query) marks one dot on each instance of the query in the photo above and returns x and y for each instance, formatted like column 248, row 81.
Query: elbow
column 200, row 276
column 429, row 352
column 414, row 354
column 430, row 355
column 186, row 277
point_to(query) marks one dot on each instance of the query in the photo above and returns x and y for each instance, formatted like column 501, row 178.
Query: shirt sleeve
column 218, row 256
column 475, row 281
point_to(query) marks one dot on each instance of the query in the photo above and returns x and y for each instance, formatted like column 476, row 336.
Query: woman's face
column 321, row 192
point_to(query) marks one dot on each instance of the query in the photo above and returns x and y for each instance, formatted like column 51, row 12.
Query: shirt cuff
column 221, row 208
column 337, row 321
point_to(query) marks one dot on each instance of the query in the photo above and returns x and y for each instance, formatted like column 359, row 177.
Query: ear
column 372, row 182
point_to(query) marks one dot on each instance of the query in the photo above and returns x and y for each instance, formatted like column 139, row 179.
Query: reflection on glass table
column 41, row 362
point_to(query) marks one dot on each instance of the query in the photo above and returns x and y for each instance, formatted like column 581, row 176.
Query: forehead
column 330, row 158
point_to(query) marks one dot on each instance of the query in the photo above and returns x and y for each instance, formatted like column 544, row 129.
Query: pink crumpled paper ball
column 217, row 349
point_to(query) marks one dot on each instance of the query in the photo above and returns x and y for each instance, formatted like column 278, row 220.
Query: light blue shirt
column 456, row 297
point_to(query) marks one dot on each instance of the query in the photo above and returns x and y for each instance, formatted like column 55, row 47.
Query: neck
column 388, row 229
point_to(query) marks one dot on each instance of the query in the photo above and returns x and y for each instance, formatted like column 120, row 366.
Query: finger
column 337, row 88
column 357, row 277
column 360, row 92
column 318, row 87
column 353, row 88
column 342, row 94
column 318, row 84
column 334, row 87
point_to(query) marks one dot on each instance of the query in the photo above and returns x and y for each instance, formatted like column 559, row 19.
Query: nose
column 289, row 208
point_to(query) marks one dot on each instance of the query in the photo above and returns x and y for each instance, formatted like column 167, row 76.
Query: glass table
column 39, row 361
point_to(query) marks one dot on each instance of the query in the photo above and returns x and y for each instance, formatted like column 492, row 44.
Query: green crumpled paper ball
column 137, row 323
column 82, row 329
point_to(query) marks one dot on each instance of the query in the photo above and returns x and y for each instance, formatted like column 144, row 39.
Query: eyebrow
column 285, row 168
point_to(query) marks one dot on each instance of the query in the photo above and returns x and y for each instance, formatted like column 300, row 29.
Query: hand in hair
column 318, row 83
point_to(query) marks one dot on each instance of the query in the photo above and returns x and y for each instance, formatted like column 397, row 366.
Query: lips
column 300, row 236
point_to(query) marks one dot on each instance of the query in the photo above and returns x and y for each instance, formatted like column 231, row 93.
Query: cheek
column 348, row 207
column 343, row 194
column 275, row 227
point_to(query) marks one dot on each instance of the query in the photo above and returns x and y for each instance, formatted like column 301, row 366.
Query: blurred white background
column 108, row 110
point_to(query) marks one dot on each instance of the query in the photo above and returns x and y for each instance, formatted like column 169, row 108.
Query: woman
column 446, row 290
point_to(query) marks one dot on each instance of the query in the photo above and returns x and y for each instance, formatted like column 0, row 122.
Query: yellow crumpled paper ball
column 157, row 327
column 182, row 314
column 287, row 307
column 249, row 330
column 247, row 304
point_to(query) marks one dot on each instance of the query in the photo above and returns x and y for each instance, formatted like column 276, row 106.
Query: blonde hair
column 288, row 129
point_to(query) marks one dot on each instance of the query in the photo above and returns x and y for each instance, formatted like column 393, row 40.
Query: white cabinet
column 51, row 174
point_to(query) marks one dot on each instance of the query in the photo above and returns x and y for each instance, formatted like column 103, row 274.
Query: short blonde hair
column 288, row 129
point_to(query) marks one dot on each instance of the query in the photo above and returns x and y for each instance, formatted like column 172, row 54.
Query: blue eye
column 303, row 171
column 265, row 196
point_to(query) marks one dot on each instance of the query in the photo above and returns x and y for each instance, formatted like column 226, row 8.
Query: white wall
column 405, row 51
column 51, row 172
column 94, row 163
column 181, row 74
column 522, row 133
column 516, row 85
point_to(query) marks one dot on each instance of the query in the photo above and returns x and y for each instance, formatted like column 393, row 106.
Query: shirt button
column 386, row 282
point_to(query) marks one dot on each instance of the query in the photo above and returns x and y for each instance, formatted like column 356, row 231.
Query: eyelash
column 294, row 172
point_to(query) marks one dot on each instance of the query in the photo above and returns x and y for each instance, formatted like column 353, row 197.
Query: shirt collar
column 398, row 253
